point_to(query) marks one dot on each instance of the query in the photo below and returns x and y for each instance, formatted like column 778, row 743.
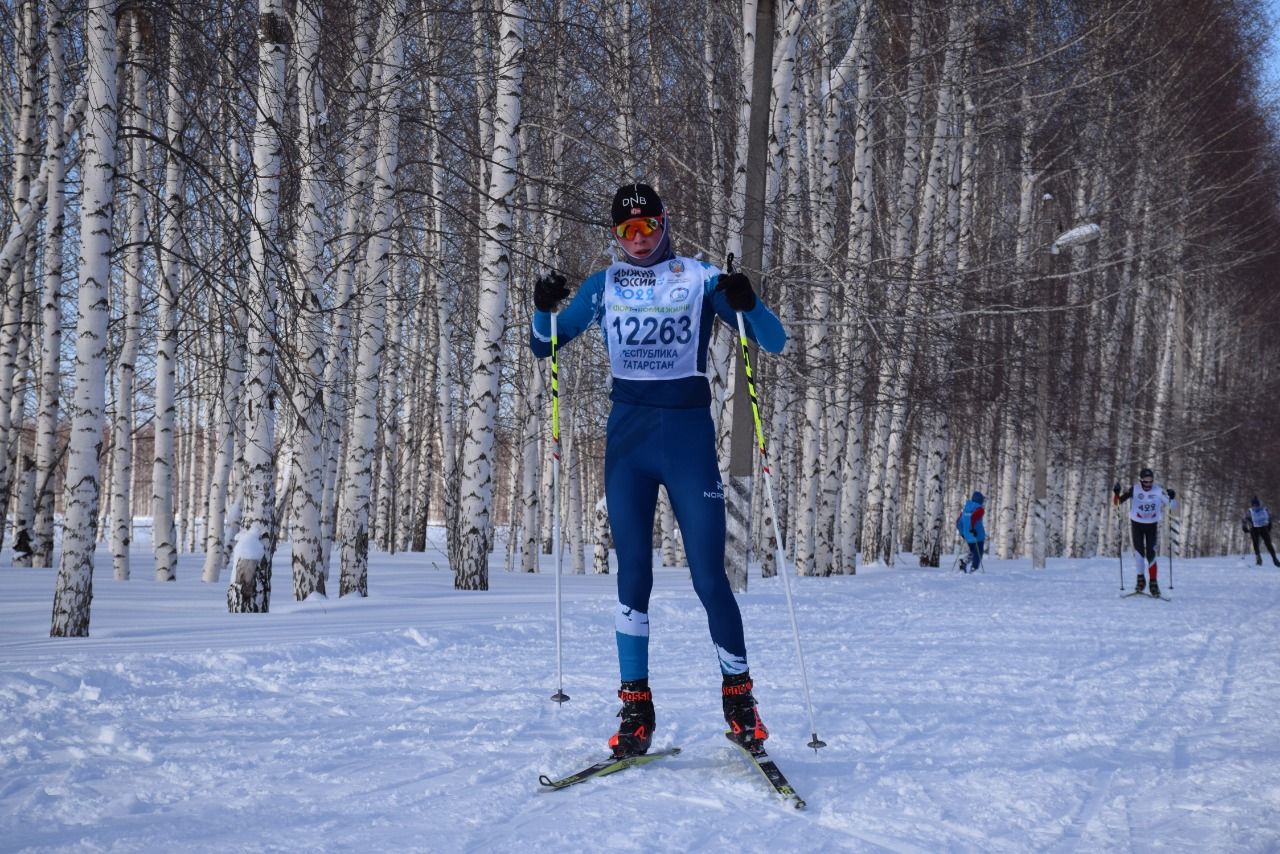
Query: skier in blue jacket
column 655, row 310
column 970, row 526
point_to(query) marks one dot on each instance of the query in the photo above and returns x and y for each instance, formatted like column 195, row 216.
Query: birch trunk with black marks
column 73, row 595
column 357, row 506
column 47, row 409
column 471, row 528
column 250, row 588
column 172, row 274
column 122, row 461
column 308, row 394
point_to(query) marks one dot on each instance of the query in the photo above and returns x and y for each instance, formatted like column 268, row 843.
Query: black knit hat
column 1146, row 473
column 634, row 200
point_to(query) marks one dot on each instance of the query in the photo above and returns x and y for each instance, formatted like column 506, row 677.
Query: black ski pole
column 1120, row 545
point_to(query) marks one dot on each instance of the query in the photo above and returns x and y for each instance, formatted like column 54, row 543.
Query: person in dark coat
column 1257, row 522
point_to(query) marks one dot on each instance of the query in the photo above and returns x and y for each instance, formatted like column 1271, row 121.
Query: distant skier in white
column 1257, row 524
column 1148, row 500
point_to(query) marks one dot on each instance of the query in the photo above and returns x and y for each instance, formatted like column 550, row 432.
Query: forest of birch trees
column 267, row 271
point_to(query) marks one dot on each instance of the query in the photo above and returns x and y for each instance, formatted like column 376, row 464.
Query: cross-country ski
column 605, row 767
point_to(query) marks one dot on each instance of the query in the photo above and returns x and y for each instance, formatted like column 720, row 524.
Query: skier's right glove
column 1115, row 487
column 548, row 290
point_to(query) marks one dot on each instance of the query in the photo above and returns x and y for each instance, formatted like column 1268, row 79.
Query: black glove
column 737, row 291
column 1116, row 487
column 1172, row 495
column 548, row 291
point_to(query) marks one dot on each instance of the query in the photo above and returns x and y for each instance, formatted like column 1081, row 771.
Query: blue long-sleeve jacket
column 588, row 307
column 970, row 522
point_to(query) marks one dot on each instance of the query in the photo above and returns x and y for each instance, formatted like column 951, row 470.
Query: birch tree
column 46, row 451
column 73, row 595
column 164, row 532
column 357, row 503
column 230, row 324
column 883, row 457
column 308, row 399
column 362, row 130
column 857, row 263
column 250, row 588
column 812, row 540
column 471, row 529
column 17, row 279
column 126, row 367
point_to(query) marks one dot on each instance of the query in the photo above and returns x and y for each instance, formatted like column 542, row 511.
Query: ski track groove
column 1179, row 755
column 1072, row 837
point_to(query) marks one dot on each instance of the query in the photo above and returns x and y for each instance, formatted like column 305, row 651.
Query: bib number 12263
column 648, row 331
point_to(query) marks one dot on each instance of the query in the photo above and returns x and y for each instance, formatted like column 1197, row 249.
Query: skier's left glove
column 1172, row 494
column 737, row 291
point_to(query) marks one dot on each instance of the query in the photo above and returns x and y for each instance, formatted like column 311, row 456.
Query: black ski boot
column 740, row 711
column 1259, row 560
column 1153, row 588
column 635, row 733
column 1140, row 585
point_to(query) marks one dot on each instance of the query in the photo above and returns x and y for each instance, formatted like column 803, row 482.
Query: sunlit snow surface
column 1013, row 710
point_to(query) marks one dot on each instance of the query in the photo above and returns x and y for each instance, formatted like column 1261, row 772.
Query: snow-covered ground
column 1014, row 710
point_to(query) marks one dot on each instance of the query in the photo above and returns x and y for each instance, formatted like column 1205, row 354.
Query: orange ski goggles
column 641, row 225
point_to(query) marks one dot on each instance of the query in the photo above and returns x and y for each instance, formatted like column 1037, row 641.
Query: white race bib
column 651, row 319
column 1147, row 503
